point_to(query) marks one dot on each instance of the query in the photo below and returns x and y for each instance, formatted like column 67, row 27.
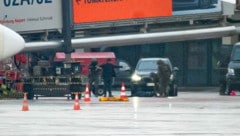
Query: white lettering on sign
column 8, row 3
column 31, row 15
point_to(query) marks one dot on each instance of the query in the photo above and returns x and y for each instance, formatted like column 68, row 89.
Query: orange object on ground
column 123, row 96
column 76, row 102
column 87, row 94
column 25, row 103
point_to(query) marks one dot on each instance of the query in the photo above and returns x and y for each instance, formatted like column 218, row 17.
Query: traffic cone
column 87, row 94
column 76, row 102
column 233, row 93
column 123, row 95
column 25, row 103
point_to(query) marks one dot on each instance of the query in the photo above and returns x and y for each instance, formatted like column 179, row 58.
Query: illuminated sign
column 89, row 11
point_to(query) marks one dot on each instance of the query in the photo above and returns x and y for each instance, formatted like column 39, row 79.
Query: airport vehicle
column 232, row 78
column 142, row 83
column 53, row 79
column 59, row 77
column 122, row 74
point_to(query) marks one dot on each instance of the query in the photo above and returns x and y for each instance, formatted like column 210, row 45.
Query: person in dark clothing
column 155, row 79
column 164, row 73
column 222, row 66
column 108, row 73
column 94, row 72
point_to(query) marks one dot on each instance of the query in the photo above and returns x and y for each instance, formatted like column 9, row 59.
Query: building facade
column 196, row 60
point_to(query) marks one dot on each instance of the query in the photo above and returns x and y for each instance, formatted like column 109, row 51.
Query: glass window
column 124, row 65
column 197, row 55
column 236, row 54
column 151, row 64
column 147, row 65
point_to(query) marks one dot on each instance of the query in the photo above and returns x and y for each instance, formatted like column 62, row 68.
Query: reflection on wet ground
column 190, row 113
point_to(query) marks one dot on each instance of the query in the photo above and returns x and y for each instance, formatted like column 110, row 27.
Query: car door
column 123, row 74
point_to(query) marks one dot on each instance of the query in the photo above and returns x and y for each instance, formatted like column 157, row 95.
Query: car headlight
column 136, row 77
column 231, row 71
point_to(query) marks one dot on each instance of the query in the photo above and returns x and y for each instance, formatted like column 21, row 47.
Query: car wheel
column 203, row 4
column 99, row 92
column 173, row 90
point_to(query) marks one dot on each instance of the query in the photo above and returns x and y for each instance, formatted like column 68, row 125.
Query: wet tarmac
column 191, row 113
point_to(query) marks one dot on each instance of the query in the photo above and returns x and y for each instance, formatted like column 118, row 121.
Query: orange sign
column 88, row 11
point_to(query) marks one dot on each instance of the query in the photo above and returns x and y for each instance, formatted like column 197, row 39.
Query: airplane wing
column 137, row 39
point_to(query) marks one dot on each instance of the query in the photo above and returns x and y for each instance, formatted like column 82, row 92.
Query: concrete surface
column 195, row 113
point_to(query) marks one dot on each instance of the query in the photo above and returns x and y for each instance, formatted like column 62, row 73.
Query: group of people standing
column 105, row 71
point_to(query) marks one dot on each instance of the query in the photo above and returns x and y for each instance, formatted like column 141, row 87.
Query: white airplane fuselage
column 11, row 42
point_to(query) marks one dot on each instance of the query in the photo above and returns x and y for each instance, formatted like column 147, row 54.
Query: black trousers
column 108, row 86
column 93, row 87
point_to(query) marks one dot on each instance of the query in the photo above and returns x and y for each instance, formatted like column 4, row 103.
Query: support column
column 67, row 27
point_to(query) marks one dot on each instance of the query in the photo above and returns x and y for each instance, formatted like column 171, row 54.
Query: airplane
column 10, row 42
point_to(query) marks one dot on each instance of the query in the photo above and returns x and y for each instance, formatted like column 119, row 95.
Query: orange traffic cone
column 87, row 94
column 76, row 102
column 25, row 103
column 123, row 95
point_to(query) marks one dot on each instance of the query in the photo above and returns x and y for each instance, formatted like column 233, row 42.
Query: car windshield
column 236, row 54
column 147, row 65
column 150, row 65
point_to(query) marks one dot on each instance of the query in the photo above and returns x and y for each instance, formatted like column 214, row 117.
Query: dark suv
column 233, row 72
column 141, row 82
